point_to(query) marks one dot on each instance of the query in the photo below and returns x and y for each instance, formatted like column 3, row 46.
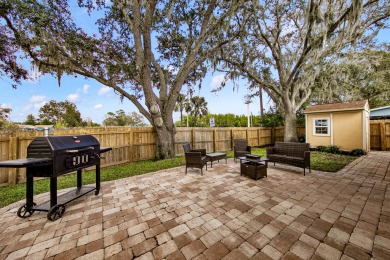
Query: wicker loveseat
column 297, row 154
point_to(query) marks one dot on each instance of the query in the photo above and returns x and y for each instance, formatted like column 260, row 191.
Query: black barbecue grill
column 52, row 156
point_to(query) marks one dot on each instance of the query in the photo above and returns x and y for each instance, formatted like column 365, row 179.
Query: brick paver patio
column 220, row 215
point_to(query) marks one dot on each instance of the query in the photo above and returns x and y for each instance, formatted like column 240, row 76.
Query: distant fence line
column 130, row 144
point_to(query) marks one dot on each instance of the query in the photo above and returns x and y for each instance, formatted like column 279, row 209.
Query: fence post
column 214, row 140
column 273, row 135
column 13, row 154
column 383, row 135
column 232, row 139
column 131, row 145
column 193, row 137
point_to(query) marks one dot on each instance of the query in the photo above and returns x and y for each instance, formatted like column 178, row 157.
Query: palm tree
column 198, row 107
column 180, row 105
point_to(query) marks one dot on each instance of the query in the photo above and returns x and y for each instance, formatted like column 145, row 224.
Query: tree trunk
column 290, row 126
column 165, row 144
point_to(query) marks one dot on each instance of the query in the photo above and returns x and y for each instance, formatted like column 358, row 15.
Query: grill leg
column 53, row 191
column 97, row 179
column 79, row 180
column 29, row 191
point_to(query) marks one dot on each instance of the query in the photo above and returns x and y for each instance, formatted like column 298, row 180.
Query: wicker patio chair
column 195, row 160
column 241, row 148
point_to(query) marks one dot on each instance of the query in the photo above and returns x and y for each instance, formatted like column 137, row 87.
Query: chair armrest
column 202, row 151
column 193, row 154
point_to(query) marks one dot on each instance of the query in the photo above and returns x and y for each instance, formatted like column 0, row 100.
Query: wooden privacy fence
column 380, row 135
column 130, row 144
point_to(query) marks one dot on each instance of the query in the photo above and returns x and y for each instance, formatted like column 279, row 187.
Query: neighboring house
column 346, row 125
column 380, row 113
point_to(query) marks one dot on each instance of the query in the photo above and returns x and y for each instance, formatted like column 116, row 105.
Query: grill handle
column 81, row 150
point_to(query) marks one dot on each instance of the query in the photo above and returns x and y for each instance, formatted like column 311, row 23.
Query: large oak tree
column 145, row 50
column 285, row 45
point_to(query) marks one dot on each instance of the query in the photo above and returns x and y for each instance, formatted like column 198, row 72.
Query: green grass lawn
column 319, row 161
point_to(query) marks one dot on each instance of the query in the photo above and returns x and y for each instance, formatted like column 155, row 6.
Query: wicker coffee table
column 216, row 157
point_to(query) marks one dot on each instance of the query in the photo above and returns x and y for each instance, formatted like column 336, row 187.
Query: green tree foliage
column 197, row 107
column 30, row 120
column 4, row 113
column 358, row 75
column 271, row 119
column 62, row 113
column 145, row 50
column 5, row 125
column 224, row 120
column 119, row 118
column 284, row 46
column 181, row 104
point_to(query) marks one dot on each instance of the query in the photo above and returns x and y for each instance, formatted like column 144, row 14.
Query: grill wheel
column 24, row 212
column 56, row 212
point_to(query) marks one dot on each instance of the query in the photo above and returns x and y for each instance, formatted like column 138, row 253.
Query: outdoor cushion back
column 240, row 144
column 291, row 148
column 186, row 148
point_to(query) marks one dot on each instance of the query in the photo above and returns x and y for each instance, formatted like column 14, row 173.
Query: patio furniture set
column 253, row 166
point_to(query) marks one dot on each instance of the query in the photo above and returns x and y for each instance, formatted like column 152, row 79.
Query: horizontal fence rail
column 130, row 144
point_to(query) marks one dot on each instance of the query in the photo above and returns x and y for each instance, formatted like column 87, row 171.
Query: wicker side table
column 253, row 169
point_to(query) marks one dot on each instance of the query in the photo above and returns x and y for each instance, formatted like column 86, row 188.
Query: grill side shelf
column 26, row 162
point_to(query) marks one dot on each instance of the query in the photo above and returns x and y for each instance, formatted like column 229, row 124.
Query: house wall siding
column 348, row 130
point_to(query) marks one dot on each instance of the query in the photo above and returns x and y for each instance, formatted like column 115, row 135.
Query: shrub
column 358, row 152
column 321, row 148
column 333, row 149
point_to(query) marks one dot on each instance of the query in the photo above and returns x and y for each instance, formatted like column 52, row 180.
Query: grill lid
column 46, row 146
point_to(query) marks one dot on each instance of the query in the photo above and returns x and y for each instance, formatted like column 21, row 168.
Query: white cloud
column 37, row 99
column 103, row 90
column 86, row 87
column 98, row 106
column 217, row 80
column 73, row 97
column 4, row 105
column 39, row 105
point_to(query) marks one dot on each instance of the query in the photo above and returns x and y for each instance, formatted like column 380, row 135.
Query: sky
column 95, row 100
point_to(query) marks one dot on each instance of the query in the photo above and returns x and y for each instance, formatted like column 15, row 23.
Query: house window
column 321, row 126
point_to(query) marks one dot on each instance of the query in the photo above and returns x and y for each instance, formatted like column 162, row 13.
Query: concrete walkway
column 220, row 215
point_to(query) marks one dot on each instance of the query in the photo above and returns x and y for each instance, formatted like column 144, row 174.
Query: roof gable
column 381, row 108
column 353, row 105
